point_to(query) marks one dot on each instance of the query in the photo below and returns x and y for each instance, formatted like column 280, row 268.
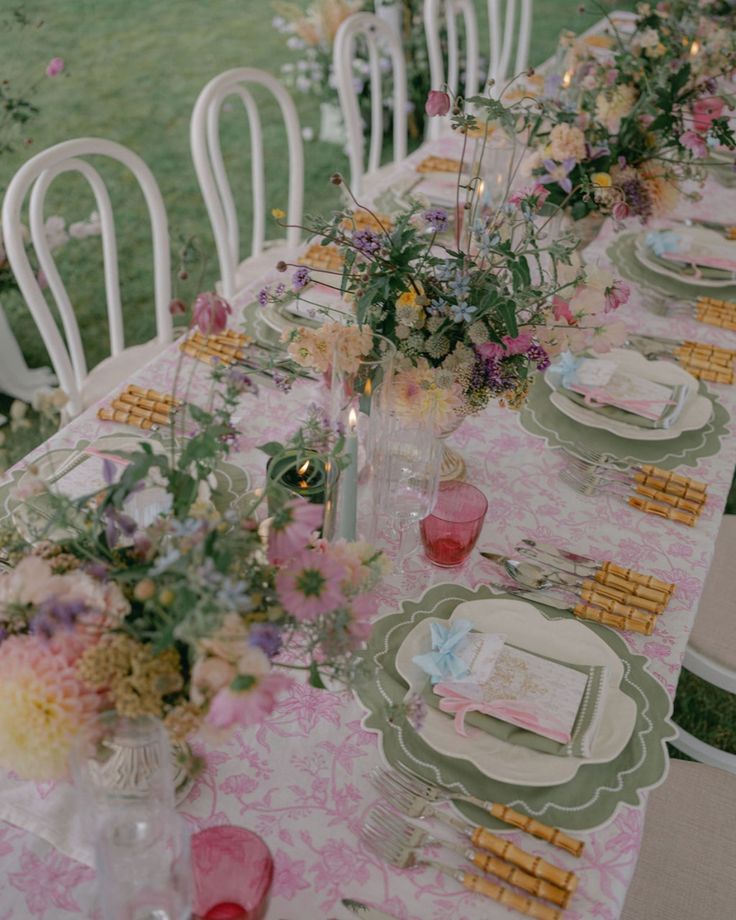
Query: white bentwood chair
column 435, row 11
column 380, row 39
column 687, row 863
column 509, row 39
column 213, row 181
column 711, row 649
column 67, row 353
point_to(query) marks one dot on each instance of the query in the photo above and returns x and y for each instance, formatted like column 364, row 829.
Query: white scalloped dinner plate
column 642, row 253
column 695, row 415
column 524, row 627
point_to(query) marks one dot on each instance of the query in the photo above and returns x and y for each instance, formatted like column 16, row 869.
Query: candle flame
column 303, row 468
column 368, row 388
column 567, row 79
column 352, row 420
column 694, row 48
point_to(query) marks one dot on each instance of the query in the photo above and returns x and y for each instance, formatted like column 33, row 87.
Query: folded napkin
column 541, row 703
column 687, row 255
column 598, row 385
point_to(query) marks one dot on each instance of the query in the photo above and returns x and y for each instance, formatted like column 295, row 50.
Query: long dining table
column 301, row 778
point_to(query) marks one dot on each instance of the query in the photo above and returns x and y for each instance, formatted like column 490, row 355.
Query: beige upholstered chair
column 687, row 863
column 711, row 650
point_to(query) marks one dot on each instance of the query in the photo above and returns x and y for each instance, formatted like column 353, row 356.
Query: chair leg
column 702, row 752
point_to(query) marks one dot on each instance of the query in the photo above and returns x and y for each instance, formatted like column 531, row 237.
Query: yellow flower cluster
column 136, row 678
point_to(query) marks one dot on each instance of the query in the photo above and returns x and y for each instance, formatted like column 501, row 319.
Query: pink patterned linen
column 300, row 780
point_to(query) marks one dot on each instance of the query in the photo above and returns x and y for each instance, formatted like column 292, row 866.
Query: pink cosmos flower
column 210, row 313
column 518, row 345
column 617, row 294
column 248, row 707
column 291, row 528
column 54, row 67
column 693, row 141
column 562, row 311
column 438, row 103
column 311, row 585
column 705, row 110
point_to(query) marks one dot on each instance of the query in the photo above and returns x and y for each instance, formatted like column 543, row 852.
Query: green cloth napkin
column 584, row 729
column 668, row 417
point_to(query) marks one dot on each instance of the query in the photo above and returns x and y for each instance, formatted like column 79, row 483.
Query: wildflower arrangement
column 196, row 618
column 469, row 303
column 620, row 130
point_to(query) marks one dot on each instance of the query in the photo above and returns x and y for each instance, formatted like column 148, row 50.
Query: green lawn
column 133, row 71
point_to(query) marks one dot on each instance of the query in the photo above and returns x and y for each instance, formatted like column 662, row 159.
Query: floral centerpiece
column 474, row 302
column 621, row 129
column 196, row 618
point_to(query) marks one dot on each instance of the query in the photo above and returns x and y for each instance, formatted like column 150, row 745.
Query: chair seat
column 714, row 632
column 114, row 371
column 686, row 867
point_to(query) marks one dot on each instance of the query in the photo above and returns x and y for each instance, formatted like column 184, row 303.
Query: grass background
column 133, row 71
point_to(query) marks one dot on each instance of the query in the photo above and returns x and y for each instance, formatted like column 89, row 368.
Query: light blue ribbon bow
column 662, row 241
column 567, row 367
column 443, row 662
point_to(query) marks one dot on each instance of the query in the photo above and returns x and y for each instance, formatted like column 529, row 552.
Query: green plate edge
column 543, row 420
column 590, row 799
column 622, row 252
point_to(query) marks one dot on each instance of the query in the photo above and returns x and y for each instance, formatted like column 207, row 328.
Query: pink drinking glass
column 233, row 870
column 450, row 532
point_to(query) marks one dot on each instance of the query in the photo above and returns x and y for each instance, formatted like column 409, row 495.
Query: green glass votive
column 301, row 472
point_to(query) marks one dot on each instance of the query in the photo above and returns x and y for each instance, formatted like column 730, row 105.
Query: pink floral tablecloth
column 301, row 779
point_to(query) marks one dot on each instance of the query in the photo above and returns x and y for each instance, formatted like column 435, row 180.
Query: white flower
column 55, row 230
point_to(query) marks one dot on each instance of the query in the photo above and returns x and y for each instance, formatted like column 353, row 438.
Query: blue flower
column 462, row 312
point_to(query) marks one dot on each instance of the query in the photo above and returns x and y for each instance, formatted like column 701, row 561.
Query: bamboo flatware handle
column 157, row 417
column 642, row 622
column 711, row 374
column 486, row 862
column 125, row 418
column 674, row 501
column 509, row 898
column 534, row 865
column 629, row 592
column 153, row 394
column 150, row 404
column 597, row 599
column 691, row 493
column 536, row 828
column 671, row 478
column 663, row 511
column 711, row 349
column 611, row 569
column 206, row 355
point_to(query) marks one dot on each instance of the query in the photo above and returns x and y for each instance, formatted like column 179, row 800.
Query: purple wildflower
column 437, row 219
column 367, row 242
column 539, row 356
column 559, row 173
column 301, row 278
column 281, row 382
column 637, row 197
column 280, row 288
column 117, row 523
column 264, row 296
column 266, row 637
column 240, row 381
column 416, row 711
column 54, row 614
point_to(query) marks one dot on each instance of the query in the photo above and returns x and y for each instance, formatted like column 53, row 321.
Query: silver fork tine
column 397, row 794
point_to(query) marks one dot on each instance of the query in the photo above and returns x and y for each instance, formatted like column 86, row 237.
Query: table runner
column 301, row 778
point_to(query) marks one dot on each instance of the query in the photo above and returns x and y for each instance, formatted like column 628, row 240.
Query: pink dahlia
column 43, row 703
column 54, row 67
column 291, row 528
column 311, row 585
column 247, row 707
